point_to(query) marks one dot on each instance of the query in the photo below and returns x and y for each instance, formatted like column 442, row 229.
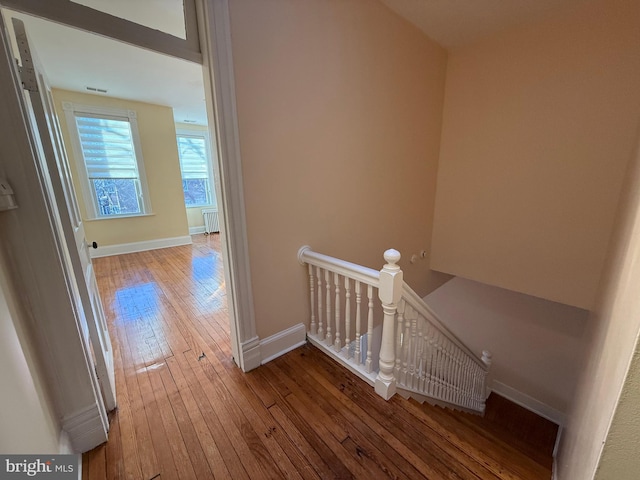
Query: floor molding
column 85, row 429
column 530, row 403
column 123, row 248
column 282, row 342
column 196, row 230
column 250, row 354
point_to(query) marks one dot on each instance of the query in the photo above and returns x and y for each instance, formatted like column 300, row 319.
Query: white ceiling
column 454, row 23
column 74, row 60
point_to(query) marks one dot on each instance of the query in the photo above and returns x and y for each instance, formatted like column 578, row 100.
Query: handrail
column 411, row 354
column 418, row 304
column 372, row 277
column 351, row 270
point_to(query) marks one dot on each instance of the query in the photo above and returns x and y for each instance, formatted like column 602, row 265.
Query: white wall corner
column 250, row 354
column 283, row 342
column 64, row 443
column 196, row 230
column 85, row 428
column 123, row 248
column 528, row 402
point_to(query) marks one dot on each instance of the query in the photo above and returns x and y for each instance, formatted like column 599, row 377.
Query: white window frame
column 92, row 210
column 185, row 132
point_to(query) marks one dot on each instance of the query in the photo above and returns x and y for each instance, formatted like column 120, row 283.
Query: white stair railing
column 335, row 287
column 377, row 326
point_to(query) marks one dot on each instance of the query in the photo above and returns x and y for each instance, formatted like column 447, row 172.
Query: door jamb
column 214, row 31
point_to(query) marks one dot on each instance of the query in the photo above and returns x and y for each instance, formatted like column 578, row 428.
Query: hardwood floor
column 186, row 411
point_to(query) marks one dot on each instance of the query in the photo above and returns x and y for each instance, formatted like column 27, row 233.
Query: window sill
column 190, row 207
column 117, row 217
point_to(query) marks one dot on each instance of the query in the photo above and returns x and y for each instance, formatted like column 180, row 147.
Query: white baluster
column 313, row 327
column 369, row 360
column 337, row 344
column 487, row 380
column 420, row 355
column 438, row 345
column 347, row 316
column 465, row 374
column 327, row 286
column 456, row 375
column 433, row 347
column 406, row 343
column 413, row 350
column 399, row 337
column 389, row 292
column 320, row 335
column 358, row 354
column 429, row 366
column 469, row 369
column 448, row 369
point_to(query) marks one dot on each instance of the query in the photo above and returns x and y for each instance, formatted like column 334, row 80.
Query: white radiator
column 211, row 221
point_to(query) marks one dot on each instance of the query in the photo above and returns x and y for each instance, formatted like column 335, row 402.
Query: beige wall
column 160, row 152
column 194, row 215
column 27, row 420
column 538, row 127
column 536, row 344
column 339, row 106
column 613, row 335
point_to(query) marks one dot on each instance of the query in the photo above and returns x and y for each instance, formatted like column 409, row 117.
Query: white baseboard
column 250, row 354
column 283, row 342
column 196, row 230
column 85, row 429
column 530, row 403
column 123, row 248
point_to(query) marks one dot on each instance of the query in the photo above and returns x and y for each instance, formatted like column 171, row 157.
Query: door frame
column 36, row 257
column 69, row 369
column 208, row 40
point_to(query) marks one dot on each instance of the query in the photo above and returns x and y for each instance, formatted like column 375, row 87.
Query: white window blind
column 193, row 157
column 195, row 169
column 107, row 147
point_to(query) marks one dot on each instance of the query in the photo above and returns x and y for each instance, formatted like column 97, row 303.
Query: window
column 113, row 176
column 196, row 168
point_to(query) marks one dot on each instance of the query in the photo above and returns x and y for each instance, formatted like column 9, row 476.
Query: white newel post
column 486, row 359
column 389, row 292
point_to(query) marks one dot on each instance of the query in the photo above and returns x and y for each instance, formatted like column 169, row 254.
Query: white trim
column 215, row 42
column 40, row 266
column 282, row 342
column 90, row 20
column 556, row 446
column 133, row 247
column 370, row 377
column 251, row 356
column 85, row 428
column 530, row 403
column 196, row 230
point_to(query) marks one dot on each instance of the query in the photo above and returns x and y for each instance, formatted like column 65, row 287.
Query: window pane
column 116, row 196
column 196, row 191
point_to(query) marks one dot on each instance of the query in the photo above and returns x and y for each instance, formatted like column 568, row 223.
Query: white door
column 66, row 218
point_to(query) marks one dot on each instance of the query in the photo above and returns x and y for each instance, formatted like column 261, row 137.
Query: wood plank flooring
column 187, row 412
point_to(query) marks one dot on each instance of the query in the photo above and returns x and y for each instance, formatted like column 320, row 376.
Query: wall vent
column 94, row 89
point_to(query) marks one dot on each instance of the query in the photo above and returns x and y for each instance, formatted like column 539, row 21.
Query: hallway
column 186, row 411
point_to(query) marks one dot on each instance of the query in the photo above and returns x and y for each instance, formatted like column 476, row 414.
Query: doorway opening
column 146, row 220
